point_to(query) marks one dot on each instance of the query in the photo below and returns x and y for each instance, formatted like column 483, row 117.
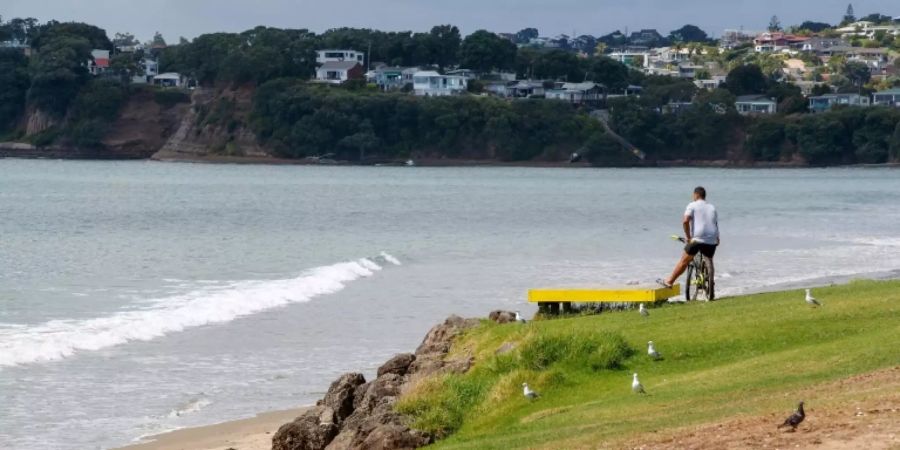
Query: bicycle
column 700, row 277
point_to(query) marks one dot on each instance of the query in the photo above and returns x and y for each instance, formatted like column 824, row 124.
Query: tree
column 158, row 40
column 124, row 40
column 443, row 45
column 814, row 27
column 857, row 72
column 849, row 16
column 558, row 64
column 895, row 144
column 58, row 72
column 775, row 24
column 689, row 33
column 485, row 51
column 14, row 83
column 611, row 73
column 526, row 34
column 745, row 80
column 877, row 18
column 600, row 49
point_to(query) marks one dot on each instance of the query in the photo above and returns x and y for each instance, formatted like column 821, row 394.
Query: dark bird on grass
column 574, row 158
column 795, row 419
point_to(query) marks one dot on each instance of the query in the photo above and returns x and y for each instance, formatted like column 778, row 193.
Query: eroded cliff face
column 143, row 127
column 214, row 128
column 38, row 121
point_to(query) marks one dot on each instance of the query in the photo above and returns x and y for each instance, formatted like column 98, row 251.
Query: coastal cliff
column 214, row 128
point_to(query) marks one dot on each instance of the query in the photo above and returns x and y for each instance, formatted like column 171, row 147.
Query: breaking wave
column 59, row 339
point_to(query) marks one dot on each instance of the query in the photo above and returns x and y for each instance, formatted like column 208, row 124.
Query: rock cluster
column 356, row 414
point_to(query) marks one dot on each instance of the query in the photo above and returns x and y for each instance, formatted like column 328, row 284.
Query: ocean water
column 140, row 297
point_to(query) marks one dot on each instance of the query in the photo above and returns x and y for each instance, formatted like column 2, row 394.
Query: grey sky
column 190, row 18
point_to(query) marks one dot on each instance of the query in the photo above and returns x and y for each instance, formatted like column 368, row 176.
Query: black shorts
column 708, row 250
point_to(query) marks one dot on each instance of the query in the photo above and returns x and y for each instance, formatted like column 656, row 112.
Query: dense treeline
column 297, row 120
column 842, row 136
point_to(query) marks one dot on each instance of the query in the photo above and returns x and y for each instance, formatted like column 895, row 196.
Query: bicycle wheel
column 690, row 287
column 709, row 278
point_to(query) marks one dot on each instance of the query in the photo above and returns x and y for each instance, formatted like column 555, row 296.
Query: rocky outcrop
column 359, row 415
column 500, row 316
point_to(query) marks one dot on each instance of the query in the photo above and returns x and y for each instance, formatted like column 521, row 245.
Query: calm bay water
column 139, row 297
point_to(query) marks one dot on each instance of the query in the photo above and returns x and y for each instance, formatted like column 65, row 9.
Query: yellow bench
column 549, row 299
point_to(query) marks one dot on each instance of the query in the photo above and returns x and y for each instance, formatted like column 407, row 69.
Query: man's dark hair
column 700, row 191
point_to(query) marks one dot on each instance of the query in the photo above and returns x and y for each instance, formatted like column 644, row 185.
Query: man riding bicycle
column 701, row 232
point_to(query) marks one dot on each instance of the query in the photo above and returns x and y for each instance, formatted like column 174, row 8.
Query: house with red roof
column 777, row 41
column 99, row 62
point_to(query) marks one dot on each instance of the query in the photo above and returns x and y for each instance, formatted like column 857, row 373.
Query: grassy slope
column 739, row 356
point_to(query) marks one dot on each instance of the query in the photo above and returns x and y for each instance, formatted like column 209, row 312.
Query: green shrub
column 597, row 350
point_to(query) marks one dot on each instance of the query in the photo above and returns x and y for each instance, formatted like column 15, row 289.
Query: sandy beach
column 246, row 434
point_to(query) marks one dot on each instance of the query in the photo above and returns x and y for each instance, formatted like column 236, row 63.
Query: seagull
column 519, row 318
column 529, row 394
column 795, row 418
column 644, row 311
column 637, row 387
column 651, row 350
column 811, row 300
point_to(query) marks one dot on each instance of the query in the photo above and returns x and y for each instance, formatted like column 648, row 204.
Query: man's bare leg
column 682, row 265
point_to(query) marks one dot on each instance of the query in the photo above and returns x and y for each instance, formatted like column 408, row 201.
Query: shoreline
column 254, row 433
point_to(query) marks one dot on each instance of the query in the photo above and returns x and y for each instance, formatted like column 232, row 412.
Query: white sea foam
column 191, row 406
column 59, row 339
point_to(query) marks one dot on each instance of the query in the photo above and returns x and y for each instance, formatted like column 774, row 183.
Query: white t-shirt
column 704, row 222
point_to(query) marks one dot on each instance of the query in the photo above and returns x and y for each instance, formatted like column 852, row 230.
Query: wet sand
column 245, row 434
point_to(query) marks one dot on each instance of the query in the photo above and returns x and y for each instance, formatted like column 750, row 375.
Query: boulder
column 394, row 437
column 439, row 338
column 397, row 365
column 501, row 316
column 306, row 432
column 340, row 395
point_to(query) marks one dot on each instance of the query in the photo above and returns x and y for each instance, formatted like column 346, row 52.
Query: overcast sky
column 189, row 18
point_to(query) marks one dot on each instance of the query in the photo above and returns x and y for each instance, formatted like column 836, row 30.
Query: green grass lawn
column 738, row 356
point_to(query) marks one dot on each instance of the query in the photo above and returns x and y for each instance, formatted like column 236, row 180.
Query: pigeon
column 651, row 350
column 795, row 419
column 811, row 300
column 643, row 311
column 637, row 387
column 529, row 394
column 519, row 318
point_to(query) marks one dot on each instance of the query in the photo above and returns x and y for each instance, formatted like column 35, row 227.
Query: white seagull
column 636, row 386
column 651, row 350
column 811, row 300
column 643, row 311
column 529, row 394
column 519, row 318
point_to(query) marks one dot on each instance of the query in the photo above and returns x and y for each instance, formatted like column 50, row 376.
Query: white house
column 890, row 97
column 868, row 29
column 169, row 79
column 429, row 83
column 337, row 72
column 711, row 83
column 755, row 104
column 150, row 69
column 324, row 56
